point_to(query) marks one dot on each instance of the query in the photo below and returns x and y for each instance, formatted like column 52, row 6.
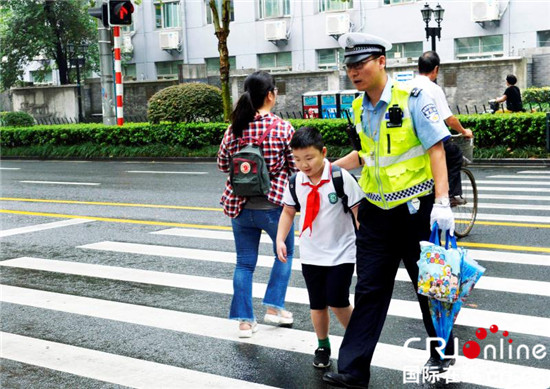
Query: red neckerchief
column 313, row 204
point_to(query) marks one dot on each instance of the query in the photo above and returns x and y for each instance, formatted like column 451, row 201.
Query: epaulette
column 415, row 92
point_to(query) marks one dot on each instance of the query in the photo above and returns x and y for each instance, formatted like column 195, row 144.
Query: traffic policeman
column 404, row 178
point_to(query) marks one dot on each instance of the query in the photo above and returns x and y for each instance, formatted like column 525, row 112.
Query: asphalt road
column 118, row 274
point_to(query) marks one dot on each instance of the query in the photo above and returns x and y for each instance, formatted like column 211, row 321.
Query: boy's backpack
column 337, row 180
column 249, row 174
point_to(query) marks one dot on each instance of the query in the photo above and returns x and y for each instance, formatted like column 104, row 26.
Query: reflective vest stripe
column 387, row 161
column 415, row 191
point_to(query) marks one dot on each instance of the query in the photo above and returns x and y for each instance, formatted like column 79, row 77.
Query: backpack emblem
column 245, row 168
column 333, row 198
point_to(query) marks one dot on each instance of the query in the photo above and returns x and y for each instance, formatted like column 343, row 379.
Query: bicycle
column 465, row 208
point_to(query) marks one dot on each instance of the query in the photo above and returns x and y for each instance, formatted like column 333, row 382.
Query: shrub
column 536, row 95
column 185, row 103
column 16, row 119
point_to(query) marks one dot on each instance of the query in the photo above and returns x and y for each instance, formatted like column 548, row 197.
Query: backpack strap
column 264, row 135
column 292, row 188
column 338, row 182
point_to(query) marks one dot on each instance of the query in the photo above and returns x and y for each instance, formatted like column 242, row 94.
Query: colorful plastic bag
column 439, row 268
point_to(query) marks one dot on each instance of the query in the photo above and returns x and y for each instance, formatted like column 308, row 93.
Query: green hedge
column 536, row 95
column 16, row 119
column 509, row 130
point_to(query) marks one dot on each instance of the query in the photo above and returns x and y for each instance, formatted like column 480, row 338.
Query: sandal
column 280, row 318
column 249, row 330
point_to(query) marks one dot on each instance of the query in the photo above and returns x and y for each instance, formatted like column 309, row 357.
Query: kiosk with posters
column 345, row 99
column 329, row 105
column 310, row 105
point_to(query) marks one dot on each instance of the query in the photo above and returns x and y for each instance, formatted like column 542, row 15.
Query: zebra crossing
column 154, row 311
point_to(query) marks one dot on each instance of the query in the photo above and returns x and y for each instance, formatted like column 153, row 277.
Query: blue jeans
column 247, row 229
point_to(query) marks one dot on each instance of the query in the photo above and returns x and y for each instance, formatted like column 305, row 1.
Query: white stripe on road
column 267, row 260
column 10, row 168
column 518, row 176
column 509, row 197
column 468, row 317
column 162, row 172
column 106, row 367
column 495, row 182
column 527, row 207
column 513, row 218
column 61, row 183
column 535, row 172
column 209, row 234
column 41, row 227
column 386, row 355
column 509, row 189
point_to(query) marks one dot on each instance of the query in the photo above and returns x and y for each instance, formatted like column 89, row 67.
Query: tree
column 44, row 29
column 221, row 30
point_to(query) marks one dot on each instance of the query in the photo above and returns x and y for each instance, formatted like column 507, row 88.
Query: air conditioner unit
column 484, row 10
column 169, row 40
column 337, row 24
column 127, row 46
column 275, row 30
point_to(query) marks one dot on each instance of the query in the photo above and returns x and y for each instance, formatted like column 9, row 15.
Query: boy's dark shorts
column 328, row 285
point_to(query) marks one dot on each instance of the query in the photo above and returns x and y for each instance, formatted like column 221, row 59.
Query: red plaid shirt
column 277, row 155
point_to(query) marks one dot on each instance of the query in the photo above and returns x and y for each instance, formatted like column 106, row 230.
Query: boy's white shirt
column 332, row 241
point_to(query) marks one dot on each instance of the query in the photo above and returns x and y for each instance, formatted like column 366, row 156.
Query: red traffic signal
column 120, row 12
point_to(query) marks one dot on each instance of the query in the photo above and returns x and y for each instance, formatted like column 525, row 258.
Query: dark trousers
column 385, row 237
column 453, row 157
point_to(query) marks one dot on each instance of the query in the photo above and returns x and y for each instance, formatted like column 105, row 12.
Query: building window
column 543, row 38
column 275, row 61
column 489, row 46
column 274, row 8
column 334, row 5
column 167, row 14
column 329, row 58
column 167, row 70
column 393, row 2
column 129, row 72
column 41, row 77
column 209, row 19
column 405, row 50
column 213, row 64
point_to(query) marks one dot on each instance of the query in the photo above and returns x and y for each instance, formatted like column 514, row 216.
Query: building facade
column 301, row 35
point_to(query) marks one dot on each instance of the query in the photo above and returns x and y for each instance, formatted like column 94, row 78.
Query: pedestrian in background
column 251, row 215
column 404, row 173
column 327, row 238
column 512, row 95
column 428, row 69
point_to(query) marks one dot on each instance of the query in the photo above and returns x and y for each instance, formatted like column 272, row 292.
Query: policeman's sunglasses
column 359, row 65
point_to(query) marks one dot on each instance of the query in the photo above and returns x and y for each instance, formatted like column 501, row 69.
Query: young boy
column 327, row 235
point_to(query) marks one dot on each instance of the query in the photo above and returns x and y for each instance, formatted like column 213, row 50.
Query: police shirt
column 428, row 124
column 332, row 238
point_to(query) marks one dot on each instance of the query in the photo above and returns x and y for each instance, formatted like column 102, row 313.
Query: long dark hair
column 256, row 87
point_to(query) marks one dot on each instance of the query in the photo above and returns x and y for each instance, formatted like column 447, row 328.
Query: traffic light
column 101, row 13
column 120, row 12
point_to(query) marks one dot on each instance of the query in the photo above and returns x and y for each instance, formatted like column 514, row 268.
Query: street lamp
column 438, row 17
column 77, row 62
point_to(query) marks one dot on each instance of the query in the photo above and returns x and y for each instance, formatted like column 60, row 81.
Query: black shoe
column 457, row 200
column 322, row 357
column 437, row 365
column 344, row 381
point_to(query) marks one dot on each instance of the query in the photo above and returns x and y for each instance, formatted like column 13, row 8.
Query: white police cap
column 359, row 46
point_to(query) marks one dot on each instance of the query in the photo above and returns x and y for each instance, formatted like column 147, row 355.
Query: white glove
column 444, row 217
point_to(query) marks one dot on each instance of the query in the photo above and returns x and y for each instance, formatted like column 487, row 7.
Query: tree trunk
column 59, row 55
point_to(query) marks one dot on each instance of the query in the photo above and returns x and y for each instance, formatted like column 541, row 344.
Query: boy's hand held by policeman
column 443, row 215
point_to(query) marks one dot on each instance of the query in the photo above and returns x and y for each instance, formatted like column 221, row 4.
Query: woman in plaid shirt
column 250, row 215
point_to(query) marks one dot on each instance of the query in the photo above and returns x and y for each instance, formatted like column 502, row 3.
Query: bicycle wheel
column 465, row 212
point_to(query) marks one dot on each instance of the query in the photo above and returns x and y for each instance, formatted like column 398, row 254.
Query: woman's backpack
column 249, row 174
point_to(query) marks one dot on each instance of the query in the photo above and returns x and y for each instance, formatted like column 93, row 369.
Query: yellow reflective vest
column 397, row 168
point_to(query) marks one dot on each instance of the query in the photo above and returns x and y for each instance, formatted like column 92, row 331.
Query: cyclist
column 512, row 95
column 428, row 69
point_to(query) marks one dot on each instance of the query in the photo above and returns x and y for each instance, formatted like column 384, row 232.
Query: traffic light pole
column 106, row 69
